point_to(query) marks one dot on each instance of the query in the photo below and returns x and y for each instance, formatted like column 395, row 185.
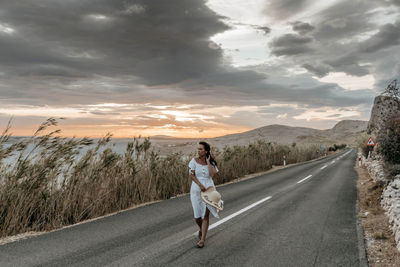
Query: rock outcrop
column 391, row 203
column 385, row 107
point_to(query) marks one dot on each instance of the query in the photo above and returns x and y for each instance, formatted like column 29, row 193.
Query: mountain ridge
column 343, row 132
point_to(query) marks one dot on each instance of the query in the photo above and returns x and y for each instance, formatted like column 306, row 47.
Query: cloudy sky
column 192, row 68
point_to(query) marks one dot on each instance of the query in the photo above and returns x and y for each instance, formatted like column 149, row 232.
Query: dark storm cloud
column 92, row 52
column 316, row 69
column 348, row 64
column 322, row 95
column 282, row 9
column 337, row 34
column 291, row 39
column 265, row 29
column 344, row 20
column 153, row 40
column 233, row 78
column 336, row 30
column 388, row 35
column 302, row 27
column 395, row 2
column 291, row 44
column 385, row 67
column 287, row 51
column 301, row 89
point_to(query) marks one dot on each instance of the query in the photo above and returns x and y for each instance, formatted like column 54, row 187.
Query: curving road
column 301, row 215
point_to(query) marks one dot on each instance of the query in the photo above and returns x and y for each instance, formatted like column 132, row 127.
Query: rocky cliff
column 385, row 107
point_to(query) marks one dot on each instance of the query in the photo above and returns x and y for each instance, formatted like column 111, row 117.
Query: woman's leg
column 199, row 222
column 204, row 225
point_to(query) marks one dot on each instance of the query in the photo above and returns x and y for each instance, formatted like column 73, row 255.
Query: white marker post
column 284, row 160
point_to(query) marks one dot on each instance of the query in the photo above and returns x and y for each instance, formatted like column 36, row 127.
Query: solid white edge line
column 236, row 213
column 302, row 180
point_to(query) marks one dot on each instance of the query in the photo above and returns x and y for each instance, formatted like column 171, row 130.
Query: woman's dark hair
column 207, row 148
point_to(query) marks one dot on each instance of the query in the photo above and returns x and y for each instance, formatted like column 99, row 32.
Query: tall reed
column 49, row 186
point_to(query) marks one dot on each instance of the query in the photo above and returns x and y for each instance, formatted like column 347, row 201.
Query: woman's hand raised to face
column 208, row 159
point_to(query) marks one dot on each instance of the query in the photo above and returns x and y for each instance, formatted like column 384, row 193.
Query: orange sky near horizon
column 118, row 131
column 180, row 121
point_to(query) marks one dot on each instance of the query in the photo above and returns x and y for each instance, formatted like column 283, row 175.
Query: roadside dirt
column 379, row 238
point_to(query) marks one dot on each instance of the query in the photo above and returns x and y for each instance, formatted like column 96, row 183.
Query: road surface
column 301, row 215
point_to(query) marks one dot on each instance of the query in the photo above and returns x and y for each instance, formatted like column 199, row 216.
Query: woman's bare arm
column 194, row 178
column 211, row 168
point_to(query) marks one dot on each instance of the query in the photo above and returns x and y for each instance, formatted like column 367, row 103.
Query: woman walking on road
column 202, row 169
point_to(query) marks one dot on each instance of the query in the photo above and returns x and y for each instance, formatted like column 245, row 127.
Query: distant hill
column 160, row 136
column 344, row 132
column 349, row 127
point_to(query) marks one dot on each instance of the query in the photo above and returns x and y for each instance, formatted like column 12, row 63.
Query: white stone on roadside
column 390, row 200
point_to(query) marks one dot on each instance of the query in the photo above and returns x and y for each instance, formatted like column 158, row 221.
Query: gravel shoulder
column 379, row 239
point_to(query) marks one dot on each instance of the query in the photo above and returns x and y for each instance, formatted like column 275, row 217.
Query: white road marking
column 345, row 153
column 236, row 213
column 256, row 203
column 302, row 180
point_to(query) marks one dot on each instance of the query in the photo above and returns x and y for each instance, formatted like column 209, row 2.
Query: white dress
column 202, row 174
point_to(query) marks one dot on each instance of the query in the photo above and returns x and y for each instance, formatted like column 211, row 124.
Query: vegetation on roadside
column 336, row 147
column 49, row 186
column 389, row 137
column 390, row 141
column 380, row 241
column 362, row 140
column 381, row 244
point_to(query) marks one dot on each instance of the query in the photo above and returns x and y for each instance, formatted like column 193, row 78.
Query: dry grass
column 381, row 246
column 48, row 187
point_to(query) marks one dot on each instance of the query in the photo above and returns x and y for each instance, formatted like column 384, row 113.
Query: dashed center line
column 237, row 213
column 302, row 180
column 259, row 202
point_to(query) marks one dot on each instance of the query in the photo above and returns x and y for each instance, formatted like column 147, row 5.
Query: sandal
column 200, row 244
column 200, row 234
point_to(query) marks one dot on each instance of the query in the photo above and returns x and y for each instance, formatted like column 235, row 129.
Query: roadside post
column 284, row 160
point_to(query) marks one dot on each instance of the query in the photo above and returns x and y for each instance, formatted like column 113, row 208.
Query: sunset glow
column 193, row 69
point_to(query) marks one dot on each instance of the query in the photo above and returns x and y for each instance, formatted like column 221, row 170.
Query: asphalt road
column 301, row 215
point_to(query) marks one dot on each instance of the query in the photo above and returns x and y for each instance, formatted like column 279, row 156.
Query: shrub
column 390, row 141
column 47, row 186
column 337, row 147
column 392, row 169
column 362, row 140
